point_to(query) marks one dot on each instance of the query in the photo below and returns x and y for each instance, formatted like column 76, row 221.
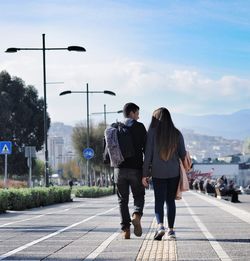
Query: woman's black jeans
column 165, row 191
column 126, row 179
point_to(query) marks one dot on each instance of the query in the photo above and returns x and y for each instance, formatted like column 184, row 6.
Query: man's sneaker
column 159, row 233
column 171, row 234
column 126, row 233
column 136, row 221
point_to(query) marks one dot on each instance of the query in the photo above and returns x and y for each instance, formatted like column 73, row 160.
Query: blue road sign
column 5, row 147
column 88, row 153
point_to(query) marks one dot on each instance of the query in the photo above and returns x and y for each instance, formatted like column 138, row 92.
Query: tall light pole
column 44, row 49
column 105, row 112
column 87, row 92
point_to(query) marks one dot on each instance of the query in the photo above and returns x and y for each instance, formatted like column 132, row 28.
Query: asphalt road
column 88, row 229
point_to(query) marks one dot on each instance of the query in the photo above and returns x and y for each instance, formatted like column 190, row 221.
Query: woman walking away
column 165, row 146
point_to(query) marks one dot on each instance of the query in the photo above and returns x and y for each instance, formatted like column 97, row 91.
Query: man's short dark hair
column 128, row 107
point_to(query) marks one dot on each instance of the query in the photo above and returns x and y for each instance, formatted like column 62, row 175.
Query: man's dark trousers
column 126, row 178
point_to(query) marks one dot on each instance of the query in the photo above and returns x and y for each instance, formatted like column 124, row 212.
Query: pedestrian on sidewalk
column 71, row 184
column 128, row 169
column 164, row 147
column 233, row 192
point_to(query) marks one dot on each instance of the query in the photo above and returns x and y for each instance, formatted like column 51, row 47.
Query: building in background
column 56, row 152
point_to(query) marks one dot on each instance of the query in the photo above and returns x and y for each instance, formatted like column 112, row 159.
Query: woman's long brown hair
column 167, row 135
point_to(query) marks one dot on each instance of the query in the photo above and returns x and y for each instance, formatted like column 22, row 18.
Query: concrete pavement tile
column 121, row 256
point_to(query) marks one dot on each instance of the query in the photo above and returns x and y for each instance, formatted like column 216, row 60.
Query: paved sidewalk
column 206, row 228
column 212, row 229
column 88, row 229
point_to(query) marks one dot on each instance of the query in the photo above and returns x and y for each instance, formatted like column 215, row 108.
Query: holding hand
column 145, row 181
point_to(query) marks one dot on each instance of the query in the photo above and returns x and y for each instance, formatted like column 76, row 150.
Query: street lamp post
column 44, row 49
column 87, row 92
column 105, row 112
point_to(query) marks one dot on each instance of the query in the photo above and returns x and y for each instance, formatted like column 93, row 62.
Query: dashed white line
column 215, row 245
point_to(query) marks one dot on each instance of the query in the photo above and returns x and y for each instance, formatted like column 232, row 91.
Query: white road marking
column 239, row 213
column 10, row 253
column 105, row 243
column 215, row 244
column 92, row 256
column 27, row 219
column 102, row 247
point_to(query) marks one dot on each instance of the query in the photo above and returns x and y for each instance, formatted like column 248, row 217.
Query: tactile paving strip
column 157, row 250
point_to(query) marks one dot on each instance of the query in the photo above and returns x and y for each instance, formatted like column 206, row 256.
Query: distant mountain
column 230, row 126
column 200, row 142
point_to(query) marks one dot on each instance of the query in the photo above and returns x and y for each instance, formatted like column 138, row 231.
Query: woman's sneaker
column 171, row 234
column 159, row 233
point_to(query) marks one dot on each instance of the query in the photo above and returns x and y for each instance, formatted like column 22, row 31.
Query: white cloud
column 151, row 84
column 123, row 55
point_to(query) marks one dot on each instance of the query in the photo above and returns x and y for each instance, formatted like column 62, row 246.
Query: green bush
column 17, row 199
column 92, row 192
column 3, row 200
column 24, row 198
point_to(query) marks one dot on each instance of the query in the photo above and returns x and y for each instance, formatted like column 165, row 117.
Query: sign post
column 5, row 171
column 5, row 149
column 30, row 152
column 88, row 154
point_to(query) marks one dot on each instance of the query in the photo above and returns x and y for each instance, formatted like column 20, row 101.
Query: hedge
column 92, row 192
column 24, row 198
column 3, row 200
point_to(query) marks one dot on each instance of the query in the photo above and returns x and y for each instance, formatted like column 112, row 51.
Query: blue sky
column 192, row 57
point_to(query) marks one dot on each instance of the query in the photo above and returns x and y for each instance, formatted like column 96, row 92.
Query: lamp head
column 65, row 92
column 109, row 92
column 12, row 50
column 76, row 48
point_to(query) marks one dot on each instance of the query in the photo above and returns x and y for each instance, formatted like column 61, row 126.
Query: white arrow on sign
column 5, row 149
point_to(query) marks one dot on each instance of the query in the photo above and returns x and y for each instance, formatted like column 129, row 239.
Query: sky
column 192, row 57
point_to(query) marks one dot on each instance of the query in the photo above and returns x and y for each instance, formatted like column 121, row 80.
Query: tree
column 79, row 139
column 71, row 170
column 38, row 169
column 21, row 120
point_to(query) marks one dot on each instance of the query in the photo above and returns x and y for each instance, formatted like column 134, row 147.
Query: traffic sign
column 5, row 147
column 30, row 151
column 88, row 153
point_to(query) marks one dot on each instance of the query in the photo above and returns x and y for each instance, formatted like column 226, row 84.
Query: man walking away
column 128, row 174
